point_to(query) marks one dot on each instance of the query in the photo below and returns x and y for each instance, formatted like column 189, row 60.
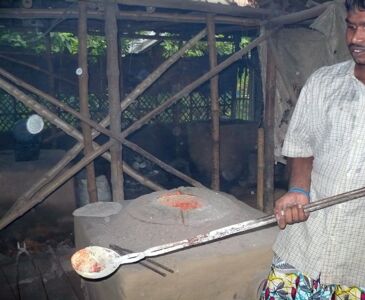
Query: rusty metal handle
column 334, row 200
column 239, row 228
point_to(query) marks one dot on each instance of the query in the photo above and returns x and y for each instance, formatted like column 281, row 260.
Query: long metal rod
column 123, row 251
column 237, row 228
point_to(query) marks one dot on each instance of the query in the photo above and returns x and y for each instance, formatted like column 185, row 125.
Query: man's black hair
column 355, row 5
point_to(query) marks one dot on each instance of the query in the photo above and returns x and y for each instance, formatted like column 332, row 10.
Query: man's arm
column 300, row 170
column 289, row 208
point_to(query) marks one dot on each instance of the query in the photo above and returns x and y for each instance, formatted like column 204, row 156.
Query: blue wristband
column 300, row 191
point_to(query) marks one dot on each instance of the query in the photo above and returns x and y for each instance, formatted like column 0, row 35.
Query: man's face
column 355, row 35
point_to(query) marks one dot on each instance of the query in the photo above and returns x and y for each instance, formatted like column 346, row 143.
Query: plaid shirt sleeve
column 297, row 139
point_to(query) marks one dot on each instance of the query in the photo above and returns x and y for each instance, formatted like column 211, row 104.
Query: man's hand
column 289, row 209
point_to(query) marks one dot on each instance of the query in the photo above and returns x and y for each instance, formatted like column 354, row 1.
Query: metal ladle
column 95, row 262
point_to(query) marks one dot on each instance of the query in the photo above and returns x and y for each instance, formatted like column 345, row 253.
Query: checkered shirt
column 328, row 123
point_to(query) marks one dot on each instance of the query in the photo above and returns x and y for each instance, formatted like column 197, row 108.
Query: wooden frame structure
column 204, row 13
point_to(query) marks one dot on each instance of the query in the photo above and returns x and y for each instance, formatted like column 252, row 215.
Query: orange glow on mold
column 181, row 201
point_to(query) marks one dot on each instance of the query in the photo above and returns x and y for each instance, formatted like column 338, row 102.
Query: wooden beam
column 83, row 75
column 203, row 6
column 112, row 70
column 283, row 19
column 146, row 83
column 124, row 15
column 38, row 193
column 192, row 86
column 298, row 16
column 128, row 100
column 99, row 127
column 50, row 67
column 260, row 169
column 59, row 104
column 18, row 210
column 214, row 98
column 269, row 123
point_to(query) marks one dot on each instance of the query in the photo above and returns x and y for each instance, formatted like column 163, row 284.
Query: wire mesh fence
column 235, row 104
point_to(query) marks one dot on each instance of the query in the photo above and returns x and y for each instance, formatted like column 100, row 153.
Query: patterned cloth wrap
column 286, row 283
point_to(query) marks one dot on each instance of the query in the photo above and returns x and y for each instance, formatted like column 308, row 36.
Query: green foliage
column 245, row 41
column 12, row 39
column 200, row 49
column 224, row 48
column 19, row 40
column 61, row 42
column 64, row 42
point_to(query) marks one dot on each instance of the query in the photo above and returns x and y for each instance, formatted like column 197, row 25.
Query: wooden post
column 51, row 79
column 214, row 97
column 44, row 187
column 236, row 72
column 112, row 70
column 260, row 169
column 269, row 122
column 192, row 86
column 84, row 98
column 98, row 127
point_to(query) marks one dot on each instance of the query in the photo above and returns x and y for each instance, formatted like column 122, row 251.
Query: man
column 322, row 256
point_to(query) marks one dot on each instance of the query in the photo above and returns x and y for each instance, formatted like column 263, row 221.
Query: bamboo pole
column 51, row 117
column 145, row 84
column 260, row 169
column 59, row 104
column 100, row 128
column 112, row 70
column 128, row 100
column 119, row 137
column 269, row 123
column 192, row 86
column 234, row 80
column 60, row 166
column 51, row 78
column 38, row 108
column 214, row 96
column 24, row 204
column 84, row 99
column 297, row 16
column 291, row 18
column 126, row 15
column 163, row 165
column 216, row 8
column 18, row 210
column 283, row 19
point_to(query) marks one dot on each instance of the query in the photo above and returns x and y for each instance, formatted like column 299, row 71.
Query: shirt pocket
column 339, row 124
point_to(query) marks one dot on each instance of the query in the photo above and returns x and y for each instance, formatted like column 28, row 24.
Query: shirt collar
column 351, row 68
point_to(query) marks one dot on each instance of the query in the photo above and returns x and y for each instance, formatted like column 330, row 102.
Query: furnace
column 231, row 268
